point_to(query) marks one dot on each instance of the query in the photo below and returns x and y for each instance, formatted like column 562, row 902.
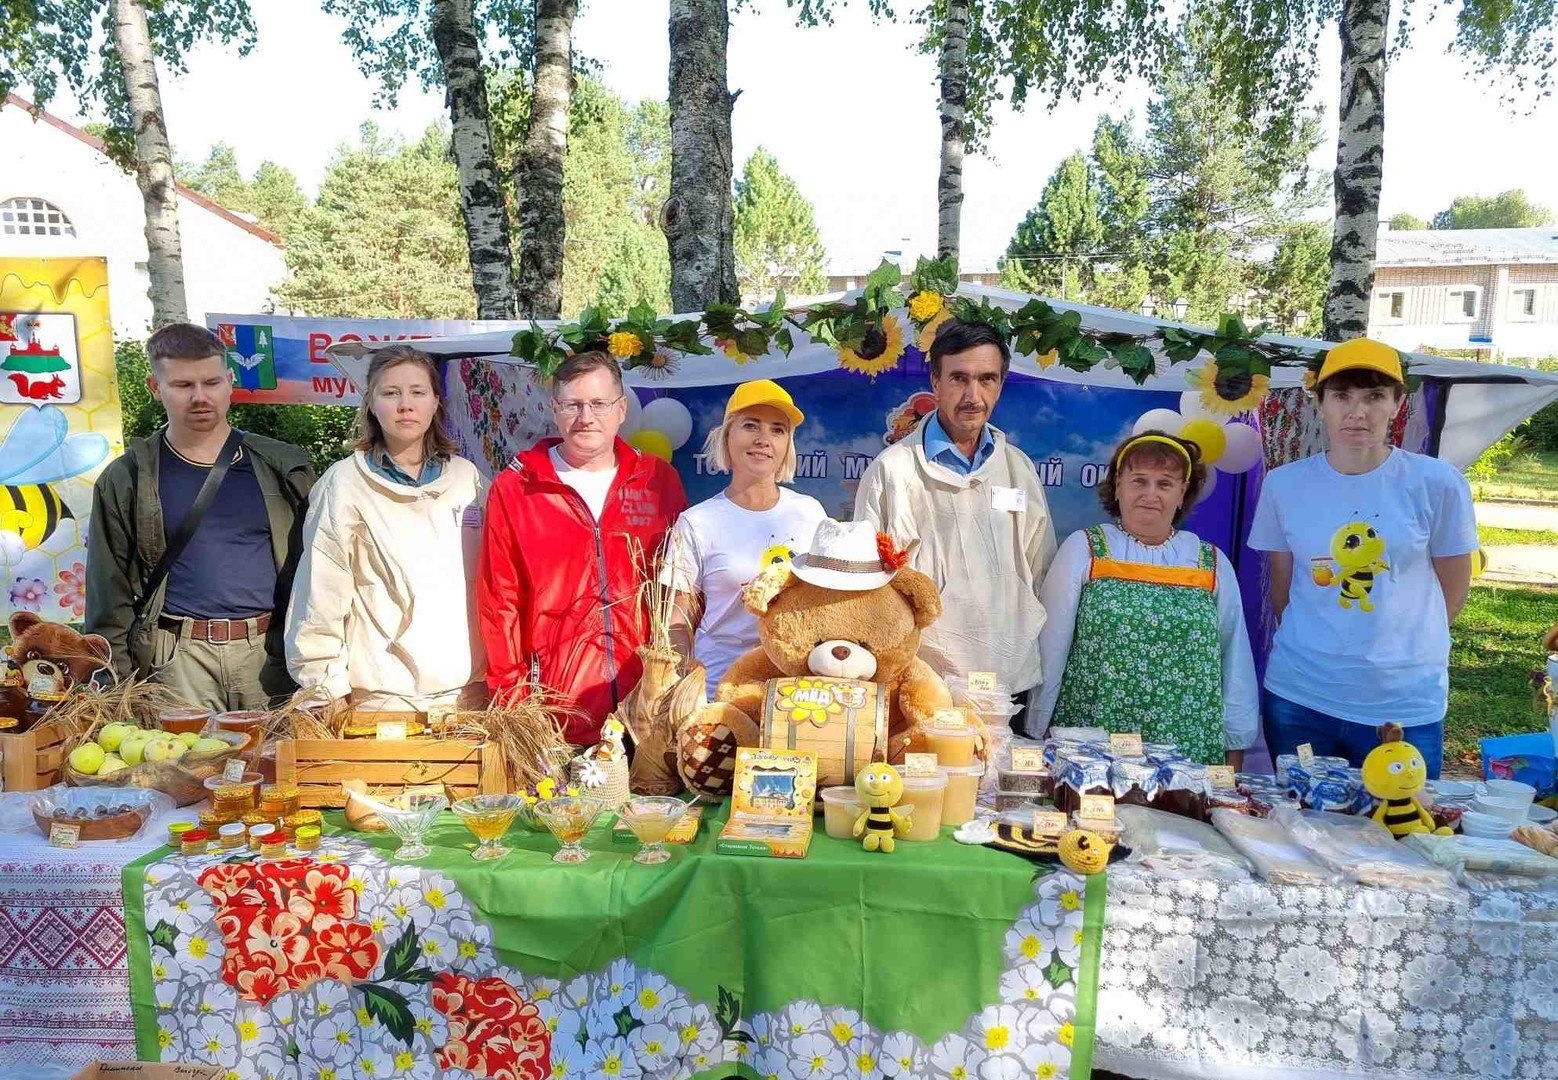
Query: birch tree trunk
column 1360, row 163
column 481, row 193
column 954, row 100
column 542, row 227
column 153, row 163
column 699, row 218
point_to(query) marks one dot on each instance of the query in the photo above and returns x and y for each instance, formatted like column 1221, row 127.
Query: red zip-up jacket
column 558, row 592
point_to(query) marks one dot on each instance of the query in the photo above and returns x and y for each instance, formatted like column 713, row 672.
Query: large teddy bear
column 47, row 659
column 849, row 608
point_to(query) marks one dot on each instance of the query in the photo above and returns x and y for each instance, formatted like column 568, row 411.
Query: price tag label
column 982, row 682
column 1306, row 756
column 1028, row 759
column 63, row 835
column 1048, row 823
column 1097, row 808
column 919, row 764
column 949, row 718
column 440, row 716
column 232, row 770
column 1221, row 776
column 390, row 729
column 1127, row 744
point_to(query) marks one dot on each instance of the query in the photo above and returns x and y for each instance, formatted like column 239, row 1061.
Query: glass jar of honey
column 280, row 799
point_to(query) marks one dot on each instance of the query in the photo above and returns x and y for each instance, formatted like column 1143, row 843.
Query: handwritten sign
column 1028, row 759
column 1306, row 756
column 1048, row 822
column 390, row 729
column 949, row 718
column 1221, row 776
column 232, row 770
column 1097, row 808
column 982, row 682
column 63, row 835
column 1126, row 744
column 919, row 764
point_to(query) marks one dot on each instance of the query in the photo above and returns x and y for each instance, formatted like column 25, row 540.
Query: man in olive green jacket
column 211, row 630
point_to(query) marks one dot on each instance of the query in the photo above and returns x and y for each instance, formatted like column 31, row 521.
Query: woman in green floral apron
column 1145, row 629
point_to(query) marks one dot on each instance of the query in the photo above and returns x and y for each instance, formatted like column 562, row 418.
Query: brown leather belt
column 217, row 631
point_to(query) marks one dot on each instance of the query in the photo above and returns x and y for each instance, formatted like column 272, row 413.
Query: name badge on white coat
column 1012, row 500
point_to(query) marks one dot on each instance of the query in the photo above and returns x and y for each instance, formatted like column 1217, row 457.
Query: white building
column 1492, row 290
column 61, row 195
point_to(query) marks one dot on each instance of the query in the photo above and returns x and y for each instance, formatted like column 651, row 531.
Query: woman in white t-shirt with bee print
column 1370, row 549
column 722, row 543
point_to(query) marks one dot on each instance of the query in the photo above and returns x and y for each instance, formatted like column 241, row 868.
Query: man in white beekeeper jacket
column 974, row 503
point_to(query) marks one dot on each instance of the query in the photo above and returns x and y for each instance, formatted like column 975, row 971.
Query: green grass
column 1489, row 535
column 1532, row 475
column 1494, row 646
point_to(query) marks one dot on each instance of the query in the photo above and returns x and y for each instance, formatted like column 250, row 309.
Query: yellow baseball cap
column 763, row 392
column 1363, row 354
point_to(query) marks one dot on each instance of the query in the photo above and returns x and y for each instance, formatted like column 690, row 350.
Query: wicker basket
column 614, row 792
column 183, row 780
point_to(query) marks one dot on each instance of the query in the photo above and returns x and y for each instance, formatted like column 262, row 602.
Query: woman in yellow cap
column 1369, row 548
column 1146, row 619
column 722, row 543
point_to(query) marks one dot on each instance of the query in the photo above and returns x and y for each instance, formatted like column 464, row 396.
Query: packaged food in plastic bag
column 1271, row 850
column 1364, row 852
column 1179, row 847
column 1479, row 854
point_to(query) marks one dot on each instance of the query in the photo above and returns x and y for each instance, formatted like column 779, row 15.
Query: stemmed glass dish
column 488, row 817
column 569, row 817
column 409, row 817
column 651, row 818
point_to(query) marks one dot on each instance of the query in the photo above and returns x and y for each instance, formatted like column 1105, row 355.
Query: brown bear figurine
column 47, row 659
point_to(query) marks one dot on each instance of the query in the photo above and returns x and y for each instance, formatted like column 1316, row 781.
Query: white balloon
column 635, row 413
column 669, row 417
column 1191, row 405
column 1208, row 487
column 1159, row 420
column 1243, row 449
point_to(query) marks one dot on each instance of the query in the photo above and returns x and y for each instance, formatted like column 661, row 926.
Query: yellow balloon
column 651, row 442
column 1208, row 435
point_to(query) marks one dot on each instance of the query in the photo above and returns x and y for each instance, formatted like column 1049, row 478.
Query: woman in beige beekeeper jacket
column 382, row 613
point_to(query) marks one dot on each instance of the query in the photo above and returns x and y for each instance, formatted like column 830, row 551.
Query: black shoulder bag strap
column 186, row 530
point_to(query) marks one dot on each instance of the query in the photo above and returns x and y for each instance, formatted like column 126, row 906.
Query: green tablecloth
column 938, row 960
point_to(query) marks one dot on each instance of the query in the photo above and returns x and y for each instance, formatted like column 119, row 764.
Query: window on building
column 1524, row 303
column 27, row 216
column 1392, row 304
column 1463, row 304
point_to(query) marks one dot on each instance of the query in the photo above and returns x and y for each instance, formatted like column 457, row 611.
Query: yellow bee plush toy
column 880, row 787
column 1394, row 773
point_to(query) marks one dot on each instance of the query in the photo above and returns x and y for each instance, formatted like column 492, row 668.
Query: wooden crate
column 317, row 766
column 31, row 761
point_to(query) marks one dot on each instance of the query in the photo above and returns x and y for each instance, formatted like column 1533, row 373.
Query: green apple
column 133, row 751
column 209, row 746
column 163, row 748
column 189, row 738
column 87, row 758
column 112, row 734
column 111, row 764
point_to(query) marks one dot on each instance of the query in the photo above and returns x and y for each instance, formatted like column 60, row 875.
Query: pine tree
column 776, row 239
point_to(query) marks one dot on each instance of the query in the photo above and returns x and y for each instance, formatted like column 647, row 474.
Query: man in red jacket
column 567, row 524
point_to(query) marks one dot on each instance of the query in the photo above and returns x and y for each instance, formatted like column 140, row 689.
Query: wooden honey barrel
column 843, row 720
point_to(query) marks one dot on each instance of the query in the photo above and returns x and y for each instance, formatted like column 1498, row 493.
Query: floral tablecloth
column 935, row 961
column 1256, row 982
column 64, row 990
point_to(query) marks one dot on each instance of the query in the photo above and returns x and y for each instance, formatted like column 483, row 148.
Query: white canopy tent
column 1481, row 401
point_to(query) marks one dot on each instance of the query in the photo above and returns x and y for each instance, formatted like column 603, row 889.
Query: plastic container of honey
column 231, row 835
column 195, row 842
column 273, row 846
column 282, row 799
column 234, row 796
column 962, row 790
column 176, row 831
column 840, row 810
column 952, row 744
column 307, row 838
column 258, row 834
column 924, row 795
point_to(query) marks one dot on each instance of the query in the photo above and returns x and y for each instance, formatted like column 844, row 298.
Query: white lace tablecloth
column 1246, row 981
column 64, row 985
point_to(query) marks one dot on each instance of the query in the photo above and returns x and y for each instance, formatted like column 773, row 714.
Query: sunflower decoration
column 879, row 351
column 1226, row 390
column 806, row 700
column 932, row 282
column 656, row 365
column 927, row 334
